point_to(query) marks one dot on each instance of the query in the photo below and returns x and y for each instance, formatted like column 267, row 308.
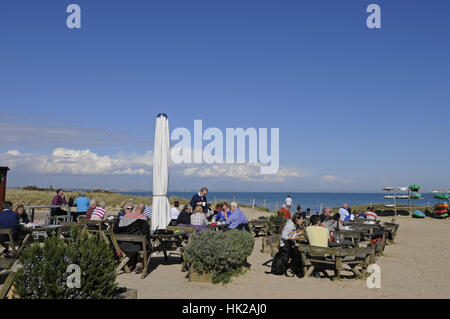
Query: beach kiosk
column 3, row 172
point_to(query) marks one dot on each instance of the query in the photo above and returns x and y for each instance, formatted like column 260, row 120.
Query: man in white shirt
column 174, row 211
column 288, row 202
column 343, row 211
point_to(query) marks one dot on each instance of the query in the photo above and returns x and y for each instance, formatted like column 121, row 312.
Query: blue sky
column 357, row 108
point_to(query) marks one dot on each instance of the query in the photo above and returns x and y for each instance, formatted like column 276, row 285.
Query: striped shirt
column 371, row 215
column 148, row 212
column 98, row 213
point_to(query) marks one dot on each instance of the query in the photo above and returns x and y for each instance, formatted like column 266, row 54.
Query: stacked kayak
column 441, row 209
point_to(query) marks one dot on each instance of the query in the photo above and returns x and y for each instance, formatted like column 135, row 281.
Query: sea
column 314, row 201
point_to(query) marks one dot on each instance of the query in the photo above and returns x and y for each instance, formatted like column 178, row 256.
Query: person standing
column 174, row 212
column 284, row 212
column 288, row 203
column 199, row 199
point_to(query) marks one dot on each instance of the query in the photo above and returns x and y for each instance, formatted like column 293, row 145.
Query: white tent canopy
column 160, row 206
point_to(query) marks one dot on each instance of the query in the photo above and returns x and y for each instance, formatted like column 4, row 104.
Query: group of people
column 345, row 212
column 199, row 213
column 320, row 226
column 318, row 232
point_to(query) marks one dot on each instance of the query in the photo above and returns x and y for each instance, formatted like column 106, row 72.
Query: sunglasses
column 129, row 208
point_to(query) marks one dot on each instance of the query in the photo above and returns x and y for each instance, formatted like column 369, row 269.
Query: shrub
column 276, row 222
column 43, row 273
column 220, row 253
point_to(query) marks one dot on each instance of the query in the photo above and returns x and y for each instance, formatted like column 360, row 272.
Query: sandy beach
column 413, row 267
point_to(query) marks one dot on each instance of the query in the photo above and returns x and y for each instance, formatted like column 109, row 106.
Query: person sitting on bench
column 317, row 234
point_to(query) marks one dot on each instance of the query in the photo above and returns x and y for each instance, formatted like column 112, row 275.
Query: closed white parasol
column 160, row 206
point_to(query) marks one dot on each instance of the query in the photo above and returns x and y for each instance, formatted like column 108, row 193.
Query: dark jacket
column 9, row 219
column 184, row 218
column 197, row 198
column 131, row 227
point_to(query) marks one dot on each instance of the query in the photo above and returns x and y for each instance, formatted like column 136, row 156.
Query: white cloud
column 331, row 178
column 77, row 162
column 86, row 162
column 243, row 172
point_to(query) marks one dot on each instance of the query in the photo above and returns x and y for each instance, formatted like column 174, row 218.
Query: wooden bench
column 191, row 232
column 94, row 227
column 325, row 258
column 392, row 229
column 16, row 248
column 6, row 280
column 145, row 253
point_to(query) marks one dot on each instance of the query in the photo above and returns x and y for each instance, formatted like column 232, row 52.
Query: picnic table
column 333, row 258
column 168, row 241
column 66, row 218
column 47, row 229
column 258, row 225
column 217, row 226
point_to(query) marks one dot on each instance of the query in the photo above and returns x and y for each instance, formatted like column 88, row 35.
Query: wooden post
column 264, row 203
column 3, row 172
column 395, row 202
column 276, row 206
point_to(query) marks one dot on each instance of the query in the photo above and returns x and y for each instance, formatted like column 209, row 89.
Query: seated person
column 134, row 222
column 302, row 212
column 237, row 219
column 290, row 229
column 8, row 219
column 224, row 213
column 326, row 213
column 308, row 211
column 344, row 212
column 198, row 218
column 23, row 217
column 317, row 235
column 99, row 213
column 210, row 213
column 126, row 208
column 284, row 211
column 92, row 206
column 333, row 223
column 59, row 200
column 370, row 214
column 82, row 204
column 185, row 215
column 148, row 212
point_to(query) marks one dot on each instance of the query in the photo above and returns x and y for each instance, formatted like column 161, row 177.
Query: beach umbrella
column 160, row 206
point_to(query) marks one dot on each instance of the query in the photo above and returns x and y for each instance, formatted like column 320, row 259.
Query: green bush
column 220, row 253
column 277, row 222
column 43, row 274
